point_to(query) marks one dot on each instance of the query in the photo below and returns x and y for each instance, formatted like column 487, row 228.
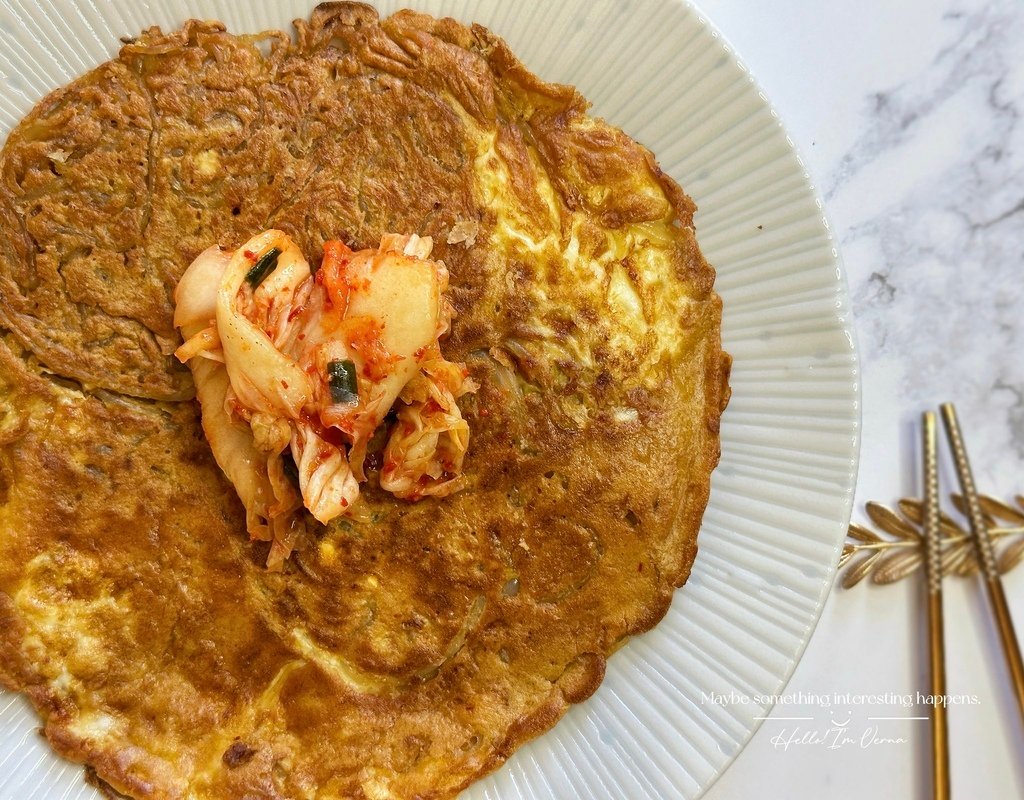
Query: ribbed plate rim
column 844, row 317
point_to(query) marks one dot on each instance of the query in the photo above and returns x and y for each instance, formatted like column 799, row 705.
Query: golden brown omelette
column 405, row 654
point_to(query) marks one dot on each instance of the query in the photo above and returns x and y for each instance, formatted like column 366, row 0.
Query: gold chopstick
column 936, row 625
column 986, row 556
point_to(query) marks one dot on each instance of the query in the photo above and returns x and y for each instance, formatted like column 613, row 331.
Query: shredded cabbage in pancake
column 295, row 369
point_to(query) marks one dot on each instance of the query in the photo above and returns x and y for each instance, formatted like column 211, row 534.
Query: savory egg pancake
column 408, row 650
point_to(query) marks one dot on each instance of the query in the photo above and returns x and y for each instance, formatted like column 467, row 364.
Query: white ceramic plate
column 781, row 497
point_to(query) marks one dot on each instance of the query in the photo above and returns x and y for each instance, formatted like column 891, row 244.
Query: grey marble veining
column 935, row 248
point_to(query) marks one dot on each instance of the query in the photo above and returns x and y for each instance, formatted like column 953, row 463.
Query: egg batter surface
column 407, row 653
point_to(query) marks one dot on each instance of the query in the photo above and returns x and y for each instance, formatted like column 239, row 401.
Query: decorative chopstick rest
column 894, row 549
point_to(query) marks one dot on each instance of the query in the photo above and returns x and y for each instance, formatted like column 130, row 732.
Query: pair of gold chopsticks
column 990, row 575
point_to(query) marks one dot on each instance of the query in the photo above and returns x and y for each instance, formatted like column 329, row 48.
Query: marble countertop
column 908, row 117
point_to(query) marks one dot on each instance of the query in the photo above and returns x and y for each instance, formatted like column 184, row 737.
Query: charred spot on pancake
column 238, row 753
column 410, row 651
